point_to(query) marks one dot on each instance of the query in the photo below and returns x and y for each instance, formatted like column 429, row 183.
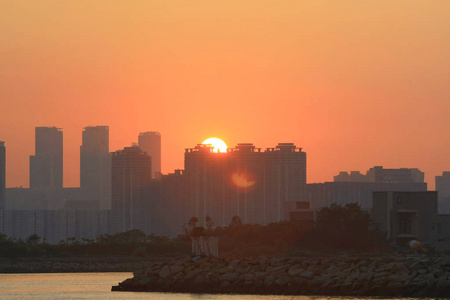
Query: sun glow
column 242, row 180
column 218, row 144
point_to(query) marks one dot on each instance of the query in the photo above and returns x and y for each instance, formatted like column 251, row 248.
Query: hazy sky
column 354, row 83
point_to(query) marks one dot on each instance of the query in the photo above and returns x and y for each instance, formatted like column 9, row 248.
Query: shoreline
column 71, row 265
column 327, row 276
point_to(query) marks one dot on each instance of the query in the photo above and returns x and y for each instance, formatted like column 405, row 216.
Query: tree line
column 337, row 228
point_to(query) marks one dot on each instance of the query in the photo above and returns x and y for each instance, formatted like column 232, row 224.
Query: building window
column 405, row 224
column 302, row 205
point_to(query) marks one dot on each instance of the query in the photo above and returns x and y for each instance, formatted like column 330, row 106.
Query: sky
column 353, row 83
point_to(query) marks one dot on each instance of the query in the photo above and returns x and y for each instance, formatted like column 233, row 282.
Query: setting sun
column 218, row 144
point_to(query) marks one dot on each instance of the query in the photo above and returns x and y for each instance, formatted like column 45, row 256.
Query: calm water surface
column 98, row 286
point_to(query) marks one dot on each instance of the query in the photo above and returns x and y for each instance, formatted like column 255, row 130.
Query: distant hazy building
column 150, row 142
column 46, row 166
column 131, row 190
column 173, row 211
column 382, row 175
column 19, row 198
column 354, row 176
column 95, row 165
column 258, row 186
column 321, row 195
column 54, row 225
column 379, row 174
column 2, row 175
column 443, row 189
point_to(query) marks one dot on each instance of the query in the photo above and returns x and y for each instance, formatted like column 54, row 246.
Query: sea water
column 98, row 286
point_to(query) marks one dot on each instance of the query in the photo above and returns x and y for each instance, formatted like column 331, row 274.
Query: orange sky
column 354, row 83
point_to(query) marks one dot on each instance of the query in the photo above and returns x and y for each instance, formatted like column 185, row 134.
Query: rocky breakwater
column 397, row 276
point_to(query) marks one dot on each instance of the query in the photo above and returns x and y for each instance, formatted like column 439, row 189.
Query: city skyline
column 431, row 181
column 355, row 84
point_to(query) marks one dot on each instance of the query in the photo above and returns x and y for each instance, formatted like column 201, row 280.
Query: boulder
column 230, row 277
column 295, row 270
column 283, row 280
column 192, row 275
column 306, row 274
column 175, row 269
column 165, row 272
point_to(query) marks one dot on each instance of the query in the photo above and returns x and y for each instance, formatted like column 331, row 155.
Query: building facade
column 381, row 175
column 173, row 212
column 95, row 165
column 2, row 176
column 150, row 142
column 131, row 198
column 321, row 195
column 54, row 225
column 46, row 166
column 443, row 189
column 406, row 216
column 257, row 186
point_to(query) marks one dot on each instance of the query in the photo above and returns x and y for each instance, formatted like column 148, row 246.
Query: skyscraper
column 131, row 170
column 150, row 142
column 2, row 175
column 46, row 166
column 95, row 165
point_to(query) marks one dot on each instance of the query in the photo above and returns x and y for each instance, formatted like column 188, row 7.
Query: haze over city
column 234, row 149
column 354, row 83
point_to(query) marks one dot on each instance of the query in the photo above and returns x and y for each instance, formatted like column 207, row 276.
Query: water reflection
column 98, row 286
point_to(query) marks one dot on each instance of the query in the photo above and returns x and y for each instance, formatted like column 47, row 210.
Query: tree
column 33, row 239
column 187, row 229
column 236, row 222
column 193, row 222
column 343, row 227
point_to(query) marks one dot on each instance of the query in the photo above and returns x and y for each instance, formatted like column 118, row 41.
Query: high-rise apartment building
column 46, row 166
column 257, row 186
column 2, row 175
column 150, row 142
column 131, row 170
column 95, row 165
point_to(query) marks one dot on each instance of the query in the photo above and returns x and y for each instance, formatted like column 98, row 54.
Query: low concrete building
column 406, row 216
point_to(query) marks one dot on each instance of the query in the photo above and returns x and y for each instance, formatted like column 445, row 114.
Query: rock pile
column 396, row 276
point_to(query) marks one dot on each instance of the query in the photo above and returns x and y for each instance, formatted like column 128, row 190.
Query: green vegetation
column 338, row 228
column 342, row 228
column 131, row 243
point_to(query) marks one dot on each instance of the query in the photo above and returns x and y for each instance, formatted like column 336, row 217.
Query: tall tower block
column 95, row 165
column 2, row 175
column 131, row 177
column 46, row 166
column 150, row 142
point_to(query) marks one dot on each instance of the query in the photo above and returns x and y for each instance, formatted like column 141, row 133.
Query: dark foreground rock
column 399, row 276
